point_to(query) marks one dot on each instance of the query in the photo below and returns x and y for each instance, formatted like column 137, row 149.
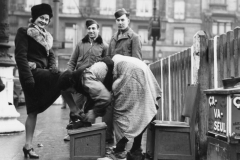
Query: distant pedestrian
column 37, row 69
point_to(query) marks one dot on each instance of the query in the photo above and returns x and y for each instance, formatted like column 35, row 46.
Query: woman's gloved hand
column 32, row 65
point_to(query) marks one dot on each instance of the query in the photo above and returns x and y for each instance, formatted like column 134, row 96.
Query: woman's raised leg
column 30, row 127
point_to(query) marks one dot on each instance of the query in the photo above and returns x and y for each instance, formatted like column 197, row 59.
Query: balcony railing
column 218, row 4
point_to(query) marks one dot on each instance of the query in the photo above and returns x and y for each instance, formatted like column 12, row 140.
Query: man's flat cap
column 121, row 12
column 89, row 22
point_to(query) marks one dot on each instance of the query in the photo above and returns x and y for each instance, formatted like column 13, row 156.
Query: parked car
column 18, row 95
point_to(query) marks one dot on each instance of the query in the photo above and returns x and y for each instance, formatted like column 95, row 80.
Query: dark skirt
column 45, row 90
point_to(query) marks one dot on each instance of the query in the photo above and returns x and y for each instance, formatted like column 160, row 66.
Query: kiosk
column 223, row 123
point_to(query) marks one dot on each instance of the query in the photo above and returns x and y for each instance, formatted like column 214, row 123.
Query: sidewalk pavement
column 50, row 130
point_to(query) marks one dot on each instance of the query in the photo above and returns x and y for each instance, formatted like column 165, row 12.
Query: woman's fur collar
column 97, row 40
column 42, row 37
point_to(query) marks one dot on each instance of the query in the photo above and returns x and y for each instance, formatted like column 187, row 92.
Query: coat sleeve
column 51, row 59
column 99, row 98
column 109, row 54
column 21, row 50
column 136, row 47
column 105, row 49
column 74, row 58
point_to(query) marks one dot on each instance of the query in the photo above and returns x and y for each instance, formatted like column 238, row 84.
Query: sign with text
column 236, row 116
column 217, row 121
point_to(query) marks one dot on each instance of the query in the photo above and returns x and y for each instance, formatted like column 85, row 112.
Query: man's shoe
column 109, row 144
column 77, row 121
column 109, row 149
column 110, row 141
column 77, row 116
column 70, row 125
column 115, row 156
column 78, row 124
column 74, row 117
column 136, row 155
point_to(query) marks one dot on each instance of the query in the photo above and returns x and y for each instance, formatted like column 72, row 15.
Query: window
column 217, row 1
column 179, row 9
column 69, row 35
column 232, row 5
column 221, row 27
column 107, row 33
column 238, row 2
column 107, row 7
column 144, row 8
column 143, row 33
column 70, row 6
column 30, row 3
column 228, row 27
column 215, row 28
column 179, row 37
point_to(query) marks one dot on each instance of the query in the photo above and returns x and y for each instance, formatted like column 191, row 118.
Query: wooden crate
column 218, row 150
column 88, row 143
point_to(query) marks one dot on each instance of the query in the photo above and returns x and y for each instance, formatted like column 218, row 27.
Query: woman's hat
column 41, row 9
column 121, row 12
column 89, row 22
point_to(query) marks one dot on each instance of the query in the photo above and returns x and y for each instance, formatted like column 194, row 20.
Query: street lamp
column 160, row 54
column 154, row 29
column 56, row 43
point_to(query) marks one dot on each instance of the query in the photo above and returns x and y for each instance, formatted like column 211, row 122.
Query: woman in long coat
column 37, row 69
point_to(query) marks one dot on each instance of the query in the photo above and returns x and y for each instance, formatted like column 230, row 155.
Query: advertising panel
column 235, row 116
column 217, row 121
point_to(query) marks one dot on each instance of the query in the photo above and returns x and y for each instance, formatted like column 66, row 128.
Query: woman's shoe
column 77, row 116
column 30, row 153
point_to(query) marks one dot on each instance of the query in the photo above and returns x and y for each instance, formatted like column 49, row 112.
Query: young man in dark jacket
column 89, row 50
column 92, row 48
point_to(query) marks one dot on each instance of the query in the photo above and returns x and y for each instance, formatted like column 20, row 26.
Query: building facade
column 220, row 16
column 180, row 20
